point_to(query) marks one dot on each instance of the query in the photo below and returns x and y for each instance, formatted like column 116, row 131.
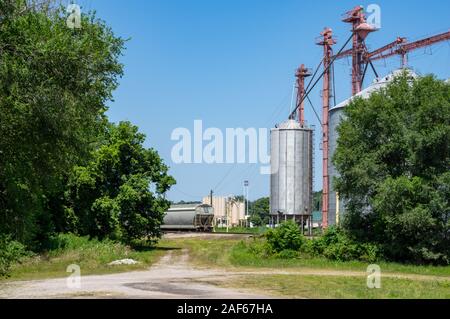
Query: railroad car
column 189, row 217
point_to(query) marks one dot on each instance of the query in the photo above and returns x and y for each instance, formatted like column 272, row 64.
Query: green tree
column 54, row 85
column 394, row 159
column 259, row 211
column 120, row 192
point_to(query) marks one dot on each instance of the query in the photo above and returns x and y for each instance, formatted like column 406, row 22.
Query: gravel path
column 171, row 278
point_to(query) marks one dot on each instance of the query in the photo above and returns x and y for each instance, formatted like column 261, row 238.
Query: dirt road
column 173, row 277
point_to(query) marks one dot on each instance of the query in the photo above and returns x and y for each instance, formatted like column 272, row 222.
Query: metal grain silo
column 291, row 176
column 335, row 205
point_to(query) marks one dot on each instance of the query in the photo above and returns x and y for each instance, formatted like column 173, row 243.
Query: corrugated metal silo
column 335, row 205
column 291, row 164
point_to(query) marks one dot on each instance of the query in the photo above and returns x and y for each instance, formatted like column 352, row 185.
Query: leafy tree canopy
column 120, row 192
column 259, row 211
column 393, row 156
column 62, row 166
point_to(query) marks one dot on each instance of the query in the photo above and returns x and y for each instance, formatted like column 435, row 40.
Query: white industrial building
column 227, row 211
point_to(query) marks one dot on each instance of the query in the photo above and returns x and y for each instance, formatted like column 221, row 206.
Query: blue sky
column 231, row 63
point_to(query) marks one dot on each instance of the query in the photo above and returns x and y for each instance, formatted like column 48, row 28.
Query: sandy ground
column 173, row 277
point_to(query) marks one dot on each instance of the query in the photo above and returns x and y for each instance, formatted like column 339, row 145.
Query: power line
column 275, row 113
column 314, row 75
column 323, row 73
column 315, row 112
column 334, row 87
column 223, row 179
column 239, row 176
column 186, row 194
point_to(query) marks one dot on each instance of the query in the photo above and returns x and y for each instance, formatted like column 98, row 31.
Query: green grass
column 92, row 256
column 206, row 251
column 326, row 287
column 241, row 256
column 241, row 230
column 232, row 252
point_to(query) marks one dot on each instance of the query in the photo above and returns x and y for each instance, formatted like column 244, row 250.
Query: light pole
column 246, row 184
column 228, row 207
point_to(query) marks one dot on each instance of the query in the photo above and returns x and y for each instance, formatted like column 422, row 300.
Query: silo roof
column 291, row 125
column 376, row 85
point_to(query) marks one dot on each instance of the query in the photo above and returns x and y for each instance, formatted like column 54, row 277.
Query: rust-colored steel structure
column 402, row 47
column 361, row 57
column 302, row 73
column 361, row 30
column 399, row 47
column 380, row 51
column 327, row 42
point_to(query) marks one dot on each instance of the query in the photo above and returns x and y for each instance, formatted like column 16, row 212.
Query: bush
column 342, row 251
column 287, row 242
column 10, row 253
column 286, row 237
column 369, row 253
column 257, row 247
column 337, row 245
column 288, row 254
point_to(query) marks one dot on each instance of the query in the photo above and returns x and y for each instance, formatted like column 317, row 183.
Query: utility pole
column 211, row 204
column 246, row 184
column 211, row 197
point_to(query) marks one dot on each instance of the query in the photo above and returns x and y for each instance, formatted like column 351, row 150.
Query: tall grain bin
column 336, row 206
column 291, row 173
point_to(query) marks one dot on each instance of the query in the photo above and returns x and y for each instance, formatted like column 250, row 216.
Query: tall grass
column 91, row 255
